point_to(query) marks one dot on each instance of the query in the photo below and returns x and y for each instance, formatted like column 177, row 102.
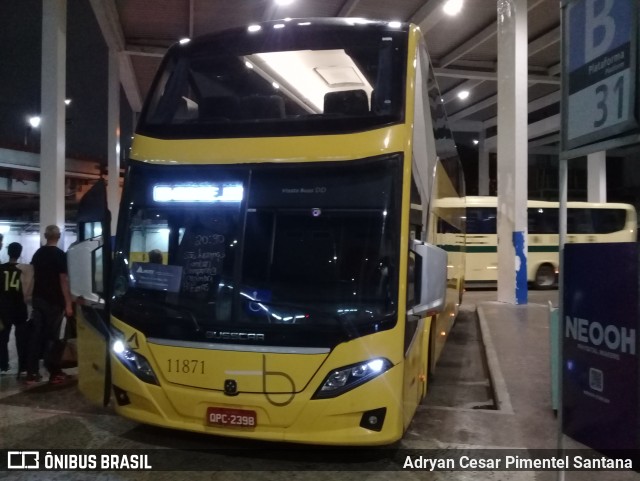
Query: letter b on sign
column 600, row 28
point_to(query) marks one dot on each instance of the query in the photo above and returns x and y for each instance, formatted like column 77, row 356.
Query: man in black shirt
column 51, row 301
column 13, row 309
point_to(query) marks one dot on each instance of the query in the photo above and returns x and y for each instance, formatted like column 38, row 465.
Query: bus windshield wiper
column 346, row 325
column 155, row 303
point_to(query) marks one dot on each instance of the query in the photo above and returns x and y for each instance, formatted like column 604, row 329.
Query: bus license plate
column 233, row 418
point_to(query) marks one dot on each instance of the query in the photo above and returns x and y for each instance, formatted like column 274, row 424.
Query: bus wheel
column 545, row 277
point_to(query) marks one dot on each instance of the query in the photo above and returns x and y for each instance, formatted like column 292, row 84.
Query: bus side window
column 481, row 220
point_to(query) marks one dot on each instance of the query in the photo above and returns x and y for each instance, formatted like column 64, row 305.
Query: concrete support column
column 52, row 111
column 512, row 151
column 113, row 138
column 483, row 164
column 597, row 177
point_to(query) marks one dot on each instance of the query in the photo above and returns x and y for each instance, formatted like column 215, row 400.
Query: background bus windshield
column 300, row 79
column 300, row 253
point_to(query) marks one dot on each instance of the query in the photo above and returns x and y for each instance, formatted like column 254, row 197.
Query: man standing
column 51, row 301
column 13, row 308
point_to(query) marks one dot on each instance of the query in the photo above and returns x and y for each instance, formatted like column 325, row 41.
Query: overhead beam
column 539, row 43
column 453, row 93
column 347, row 8
column 428, row 15
column 472, row 109
column 19, row 160
column 555, row 69
column 547, row 126
column 546, row 140
column 466, row 126
column 488, row 75
column 458, row 52
column 486, row 34
column 109, row 21
column 145, row 50
column 534, row 105
column 191, row 17
column 544, row 41
column 270, row 12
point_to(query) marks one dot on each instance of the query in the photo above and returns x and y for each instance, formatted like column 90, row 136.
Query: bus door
column 88, row 262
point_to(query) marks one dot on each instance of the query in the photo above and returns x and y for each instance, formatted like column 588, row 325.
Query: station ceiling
column 463, row 48
column 463, row 51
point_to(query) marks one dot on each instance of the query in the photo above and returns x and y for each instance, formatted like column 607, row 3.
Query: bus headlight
column 133, row 361
column 346, row 378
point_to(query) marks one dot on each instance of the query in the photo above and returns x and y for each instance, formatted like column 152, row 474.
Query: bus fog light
column 122, row 398
column 344, row 379
column 374, row 419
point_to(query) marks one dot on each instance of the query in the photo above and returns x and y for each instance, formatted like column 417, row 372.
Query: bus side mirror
column 84, row 265
column 431, row 267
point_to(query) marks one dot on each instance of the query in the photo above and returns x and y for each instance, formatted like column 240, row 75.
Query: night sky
column 21, row 50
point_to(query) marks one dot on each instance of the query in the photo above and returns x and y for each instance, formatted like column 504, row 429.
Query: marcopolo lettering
column 615, row 338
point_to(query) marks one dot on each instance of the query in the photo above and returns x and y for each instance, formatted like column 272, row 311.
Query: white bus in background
column 586, row 222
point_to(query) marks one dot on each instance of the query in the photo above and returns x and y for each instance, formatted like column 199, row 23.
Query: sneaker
column 32, row 379
column 5, row 371
column 59, row 378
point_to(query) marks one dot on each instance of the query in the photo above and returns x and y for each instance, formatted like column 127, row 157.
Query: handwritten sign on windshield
column 202, row 256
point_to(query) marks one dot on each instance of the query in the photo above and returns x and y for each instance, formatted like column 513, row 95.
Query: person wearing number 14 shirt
column 15, row 285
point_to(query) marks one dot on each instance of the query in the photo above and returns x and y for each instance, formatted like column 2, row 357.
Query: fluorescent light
column 67, row 101
column 452, row 7
column 278, row 25
column 254, row 28
column 395, row 24
column 184, row 41
column 248, row 64
column 275, row 85
column 304, row 23
column 463, row 94
column 476, row 141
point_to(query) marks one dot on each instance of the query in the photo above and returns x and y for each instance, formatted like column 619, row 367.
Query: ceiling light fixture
column 463, row 94
column 254, row 28
column 476, row 141
column 452, row 7
column 34, row 121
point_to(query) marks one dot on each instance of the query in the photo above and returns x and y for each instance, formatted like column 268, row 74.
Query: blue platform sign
column 599, row 70
column 600, row 345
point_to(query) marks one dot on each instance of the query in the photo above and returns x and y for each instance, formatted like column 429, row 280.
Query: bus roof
column 490, row 201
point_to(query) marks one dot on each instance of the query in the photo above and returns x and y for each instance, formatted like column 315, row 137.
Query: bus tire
column 545, row 277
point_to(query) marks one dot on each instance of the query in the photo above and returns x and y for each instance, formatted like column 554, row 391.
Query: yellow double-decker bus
column 286, row 173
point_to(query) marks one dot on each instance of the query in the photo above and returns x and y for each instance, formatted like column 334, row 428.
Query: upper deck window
column 301, row 79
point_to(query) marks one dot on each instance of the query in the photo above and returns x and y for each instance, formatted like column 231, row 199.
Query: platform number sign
column 599, row 70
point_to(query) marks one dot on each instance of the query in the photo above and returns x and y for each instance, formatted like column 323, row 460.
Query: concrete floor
column 497, row 357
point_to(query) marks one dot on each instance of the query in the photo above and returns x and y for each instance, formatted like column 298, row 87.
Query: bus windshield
column 293, row 255
column 283, row 79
